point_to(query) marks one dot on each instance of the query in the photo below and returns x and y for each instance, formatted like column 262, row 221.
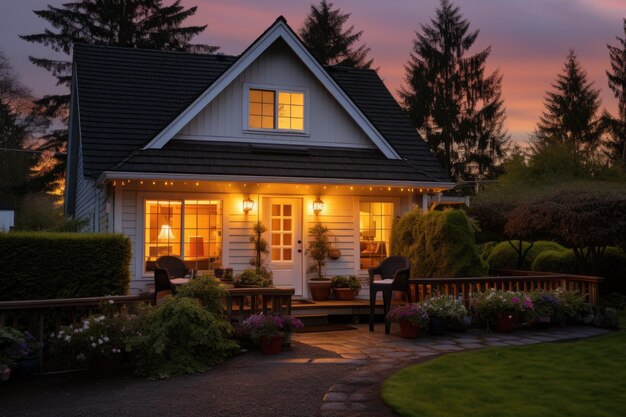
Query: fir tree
column 452, row 102
column 127, row 23
column 570, row 116
column 616, row 144
column 323, row 34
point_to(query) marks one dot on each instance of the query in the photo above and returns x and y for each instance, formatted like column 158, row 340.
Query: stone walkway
column 379, row 356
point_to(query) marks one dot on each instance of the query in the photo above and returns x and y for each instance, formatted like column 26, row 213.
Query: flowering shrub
column 414, row 314
column 446, row 307
column 264, row 326
column 492, row 303
column 291, row 324
column 545, row 305
column 102, row 334
column 571, row 305
column 15, row 345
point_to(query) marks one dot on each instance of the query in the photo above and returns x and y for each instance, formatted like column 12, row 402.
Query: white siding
column 224, row 118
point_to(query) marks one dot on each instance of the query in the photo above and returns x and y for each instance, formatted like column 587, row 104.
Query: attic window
column 278, row 110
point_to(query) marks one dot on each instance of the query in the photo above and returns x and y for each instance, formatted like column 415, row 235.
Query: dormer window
column 276, row 109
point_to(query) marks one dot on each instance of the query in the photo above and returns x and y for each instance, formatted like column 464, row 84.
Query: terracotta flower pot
column 344, row 293
column 408, row 330
column 319, row 290
column 271, row 346
column 505, row 323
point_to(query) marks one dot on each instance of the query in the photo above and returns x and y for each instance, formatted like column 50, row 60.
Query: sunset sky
column 529, row 38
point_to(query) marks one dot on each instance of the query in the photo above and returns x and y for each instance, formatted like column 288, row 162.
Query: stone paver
column 380, row 355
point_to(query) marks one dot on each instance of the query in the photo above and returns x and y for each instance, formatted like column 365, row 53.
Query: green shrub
column 485, row 249
column 503, row 256
column 180, row 337
column 441, row 244
column 208, row 290
column 341, row 281
column 252, row 277
column 563, row 261
column 36, row 265
column 613, row 268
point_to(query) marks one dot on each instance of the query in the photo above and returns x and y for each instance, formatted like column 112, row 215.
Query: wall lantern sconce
column 247, row 204
column 318, row 206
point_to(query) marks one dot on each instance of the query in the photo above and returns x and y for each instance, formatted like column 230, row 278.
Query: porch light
column 247, row 204
column 166, row 233
column 318, row 206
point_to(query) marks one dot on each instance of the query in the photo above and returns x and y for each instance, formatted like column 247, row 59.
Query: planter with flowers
column 345, row 288
column 446, row 311
column 503, row 309
column 267, row 331
column 290, row 325
column 19, row 352
column 412, row 318
column 545, row 307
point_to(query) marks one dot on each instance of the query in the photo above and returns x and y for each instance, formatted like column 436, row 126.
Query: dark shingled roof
column 127, row 96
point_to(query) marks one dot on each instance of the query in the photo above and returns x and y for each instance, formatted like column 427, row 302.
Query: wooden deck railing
column 506, row 280
column 42, row 317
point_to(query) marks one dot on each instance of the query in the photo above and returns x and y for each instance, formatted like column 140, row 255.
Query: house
column 184, row 153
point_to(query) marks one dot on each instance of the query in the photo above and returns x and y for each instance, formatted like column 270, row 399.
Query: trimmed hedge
column 36, row 265
column 503, row 256
column 438, row 244
column 613, row 268
column 563, row 261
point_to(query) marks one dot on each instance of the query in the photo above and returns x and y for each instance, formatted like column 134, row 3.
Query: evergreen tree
column 20, row 122
column 127, row 23
column 616, row 144
column 570, row 116
column 323, row 34
column 452, row 102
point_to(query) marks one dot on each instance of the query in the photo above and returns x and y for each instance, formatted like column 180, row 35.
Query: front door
column 283, row 219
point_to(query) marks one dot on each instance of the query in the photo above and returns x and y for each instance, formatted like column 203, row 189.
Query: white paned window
column 375, row 222
column 278, row 110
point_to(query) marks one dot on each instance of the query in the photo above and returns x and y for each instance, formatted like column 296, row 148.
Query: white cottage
column 184, row 153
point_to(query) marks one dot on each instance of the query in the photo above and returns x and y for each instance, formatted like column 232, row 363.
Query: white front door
column 283, row 220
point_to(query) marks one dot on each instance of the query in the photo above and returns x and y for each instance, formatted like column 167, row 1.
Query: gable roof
column 280, row 30
column 127, row 97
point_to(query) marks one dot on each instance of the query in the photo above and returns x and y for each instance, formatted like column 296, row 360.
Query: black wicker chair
column 162, row 285
column 394, row 273
column 174, row 266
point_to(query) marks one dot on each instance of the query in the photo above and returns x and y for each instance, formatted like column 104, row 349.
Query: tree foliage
column 323, row 33
column 20, row 124
column 127, row 23
column 571, row 111
column 616, row 126
column 456, row 106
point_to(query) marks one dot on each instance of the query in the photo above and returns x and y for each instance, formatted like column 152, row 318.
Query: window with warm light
column 281, row 231
column 375, row 222
column 190, row 229
column 276, row 110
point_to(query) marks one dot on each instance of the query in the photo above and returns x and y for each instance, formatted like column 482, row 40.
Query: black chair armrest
column 373, row 272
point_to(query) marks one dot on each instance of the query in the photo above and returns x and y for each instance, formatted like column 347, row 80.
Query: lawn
column 581, row 378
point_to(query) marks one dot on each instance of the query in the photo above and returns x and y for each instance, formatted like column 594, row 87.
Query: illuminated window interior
column 375, row 222
column 190, row 229
column 265, row 113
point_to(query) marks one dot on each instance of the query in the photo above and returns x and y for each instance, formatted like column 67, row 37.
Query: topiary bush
column 38, row 265
column 486, row 248
column 180, row 337
column 441, row 244
column 563, row 261
column 503, row 256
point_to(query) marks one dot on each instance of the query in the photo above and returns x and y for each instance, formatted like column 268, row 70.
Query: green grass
column 570, row 379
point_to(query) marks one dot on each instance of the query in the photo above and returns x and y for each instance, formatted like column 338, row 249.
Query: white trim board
column 119, row 175
column 281, row 30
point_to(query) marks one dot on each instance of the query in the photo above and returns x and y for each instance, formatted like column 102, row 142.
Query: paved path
column 323, row 374
column 380, row 355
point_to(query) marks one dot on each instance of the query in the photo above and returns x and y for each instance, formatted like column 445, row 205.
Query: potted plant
column 267, row 331
column 318, row 248
column 27, row 353
column 14, row 347
column 223, row 273
column 345, row 288
column 290, row 325
column 411, row 318
column 503, row 309
column 545, row 306
column 445, row 311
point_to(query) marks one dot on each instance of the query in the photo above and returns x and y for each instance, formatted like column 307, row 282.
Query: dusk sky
column 530, row 39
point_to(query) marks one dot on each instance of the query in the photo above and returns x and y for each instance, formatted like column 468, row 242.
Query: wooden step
column 312, row 319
